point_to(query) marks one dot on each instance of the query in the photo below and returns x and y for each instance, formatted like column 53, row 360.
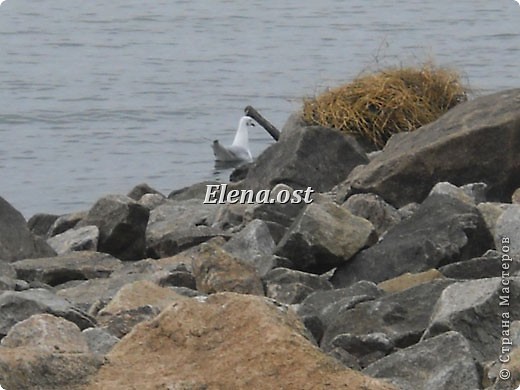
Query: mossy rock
column 375, row 106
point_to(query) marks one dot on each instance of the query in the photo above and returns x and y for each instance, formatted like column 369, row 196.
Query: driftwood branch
column 250, row 111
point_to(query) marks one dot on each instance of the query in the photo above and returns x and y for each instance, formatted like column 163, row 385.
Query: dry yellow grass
column 375, row 106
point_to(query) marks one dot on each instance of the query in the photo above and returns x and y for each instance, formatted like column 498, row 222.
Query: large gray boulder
column 481, row 310
column 444, row 362
column 75, row 239
column 16, row 240
column 122, row 224
column 477, row 141
column 443, row 230
column 304, row 157
column 72, row 266
column 17, row 306
column 324, row 236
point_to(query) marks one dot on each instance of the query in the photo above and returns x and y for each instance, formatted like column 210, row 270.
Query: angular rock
column 140, row 190
column 178, row 225
column 441, row 363
column 151, row 201
column 476, row 309
column 46, row 352
column 71, row 266
column 507, row 231
column 80, row 239
column 122, row 224
column 443, row 230
column 40, row 223
column 66, row 222
column 290, row 286
column 303, row 157
column 515, row 198
column 195, row 191
column 249, row 341
column 319, row 309
column 366, row 348
column 215, row 270
column 99, row 340
column 487, row 266
column 17, row 306
column 487, row 129
column 402, row 316
column 324, row 236
column 251, row 244
column 374, row 209
column 16, row 240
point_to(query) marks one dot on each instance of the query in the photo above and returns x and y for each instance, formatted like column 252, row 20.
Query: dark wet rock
column 323, row 236
column 476, row 309
column 487, row 130
column 46, row 352
column 66, row 222
column 251, row 244
column 304, row 157
column 374, row 209
column 444, row 362
column 402, row 316
column 178, row 225
column 487, row 266
column 16, row 240
column 321, row 307
column 140, row 190
column 290, row 286
column 99, row 340
column 71, row 266
column 77, row 239
column 18, row 306
column 40, row 223
column 195, row 191
column 443, row 230
column 122, row 224
column 215, row 270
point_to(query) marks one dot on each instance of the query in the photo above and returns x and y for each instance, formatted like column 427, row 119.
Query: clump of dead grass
column 375, row 106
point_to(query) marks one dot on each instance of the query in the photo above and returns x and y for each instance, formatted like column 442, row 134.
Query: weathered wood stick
column 275, row 133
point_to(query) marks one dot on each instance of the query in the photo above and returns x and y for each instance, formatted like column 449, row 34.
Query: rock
column 122, row 224
column 178, row 225
column 402, row 316
column 515, row 198
column 476, row 309
column 507, row 231
column 290, row 286
column 407, row 280
column 140, row 190
column 16, row 240
column 39, row 224
column 490, row 211
column 319, row 309
column 63, row 268
column 151, row 201
column 441, row 363
column 476, row 191
column 251, row 244
column 17, row 306
column 66, row 222
column 443, row 230
column 486, row 129
column 46, row 352
column 249, row 341
column 175, row 279
column 7, row 277
column 303, row 157
column 215, row 270
column 195, row 191
column 374, row 209
column 510, row 367
column 445, row 188
column 324, row 236
column 84, row 238
column 366, row 348
column 229, row 216
column 487, row 266
column 99, row 341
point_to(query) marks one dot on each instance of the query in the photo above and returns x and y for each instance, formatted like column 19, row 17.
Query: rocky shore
column 403, row 273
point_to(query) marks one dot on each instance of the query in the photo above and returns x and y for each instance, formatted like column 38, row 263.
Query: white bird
column 239, row 149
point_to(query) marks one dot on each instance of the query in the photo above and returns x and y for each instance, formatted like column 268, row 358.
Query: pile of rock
column 404, row 272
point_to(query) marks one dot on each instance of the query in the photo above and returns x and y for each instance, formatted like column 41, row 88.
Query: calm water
column 97, row 96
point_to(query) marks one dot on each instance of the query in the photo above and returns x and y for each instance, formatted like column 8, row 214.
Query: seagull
column 239, row 149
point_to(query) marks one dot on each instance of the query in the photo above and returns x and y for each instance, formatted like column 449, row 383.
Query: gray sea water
column 98, row 96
